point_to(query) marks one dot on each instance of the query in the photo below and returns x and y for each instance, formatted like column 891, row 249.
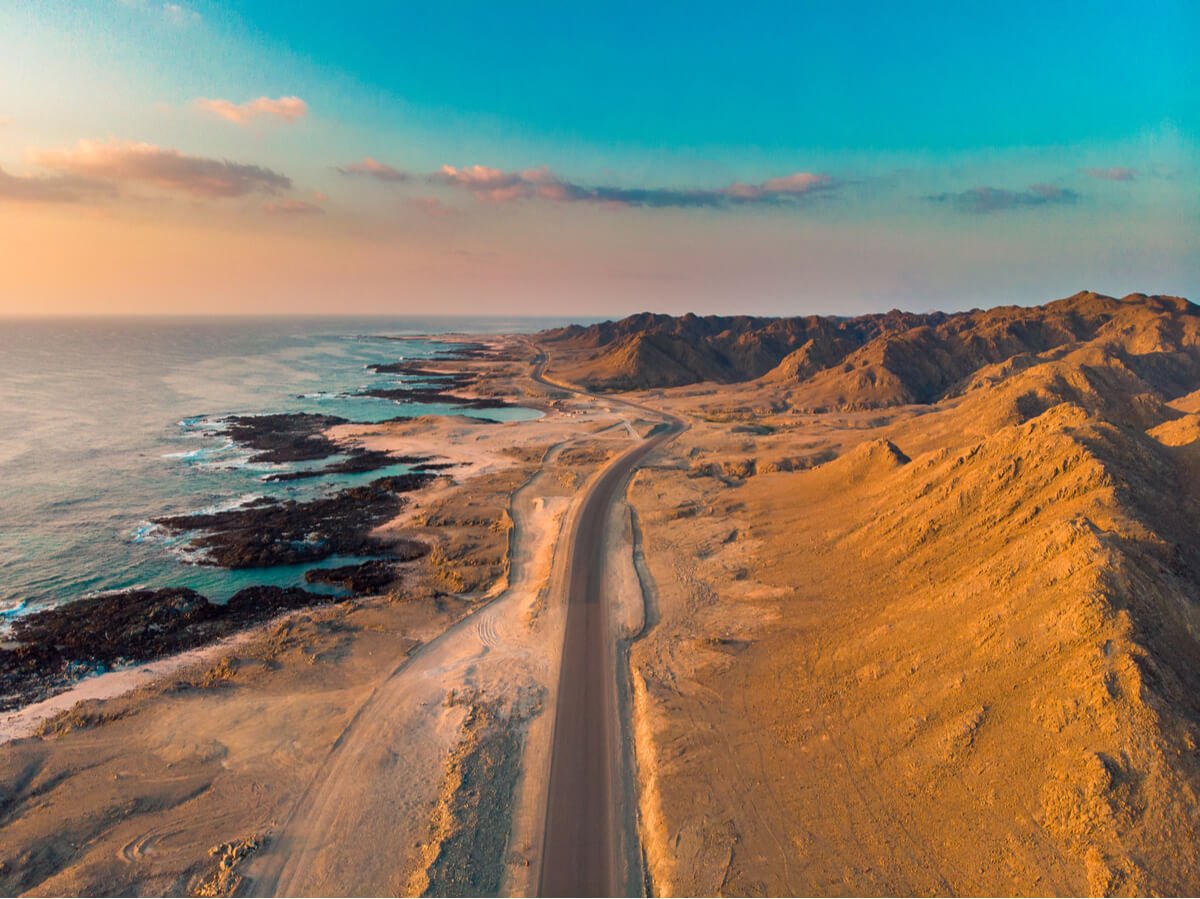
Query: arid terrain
column 896, row 604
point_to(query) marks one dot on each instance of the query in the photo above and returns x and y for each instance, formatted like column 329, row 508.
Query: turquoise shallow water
column 105, row 424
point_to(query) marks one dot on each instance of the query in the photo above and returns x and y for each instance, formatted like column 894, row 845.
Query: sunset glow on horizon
column 274, row 158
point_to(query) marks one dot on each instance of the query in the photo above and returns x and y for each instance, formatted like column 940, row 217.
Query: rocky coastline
column 47, row 651
column 266, row 533
column 54, row 648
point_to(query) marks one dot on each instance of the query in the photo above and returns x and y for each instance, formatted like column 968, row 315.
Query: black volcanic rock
column 357, row 460
column 285, row 436
column 284, row 533
column 252, row 604
column 56, row 647
column 434, row 395
column 443, row 383
column 444, row 379
column 404, row 483
column 101, row 629
column 367, row 577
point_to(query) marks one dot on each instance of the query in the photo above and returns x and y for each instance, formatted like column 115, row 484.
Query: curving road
column 581, row 849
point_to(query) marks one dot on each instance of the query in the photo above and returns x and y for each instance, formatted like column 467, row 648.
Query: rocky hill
column 933, row 623
column 649, row 350
column 874, row 361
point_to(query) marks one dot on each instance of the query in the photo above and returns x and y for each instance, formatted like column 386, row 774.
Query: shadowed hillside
column 665, row 351
column 871, row 361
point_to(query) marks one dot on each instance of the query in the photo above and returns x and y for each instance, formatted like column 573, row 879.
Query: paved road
column 581, row 847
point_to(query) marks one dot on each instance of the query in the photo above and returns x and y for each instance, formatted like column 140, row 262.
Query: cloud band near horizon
column 984, row 200
column 498, row 186
column 116, row 162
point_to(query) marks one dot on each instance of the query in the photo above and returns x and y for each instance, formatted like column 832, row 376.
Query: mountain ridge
column 869, row 361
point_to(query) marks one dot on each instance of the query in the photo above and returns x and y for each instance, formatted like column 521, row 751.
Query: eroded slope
column 960, row 657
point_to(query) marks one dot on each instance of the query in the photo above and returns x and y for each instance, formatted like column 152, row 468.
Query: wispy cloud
column 1115, row 173
column 118, row 162
column 982, row 200
column 286, row 109
column 433, row 207
column 373, row 168
column 792, row 185
column 498, row 186
column 172, row 13
column 178, row 14
column 291, row 207
column 493, row 185
column 51, row 188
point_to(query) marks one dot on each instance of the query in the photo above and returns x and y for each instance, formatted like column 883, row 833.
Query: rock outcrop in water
column 427, row 394
column 300, row 437
column 285, row 436
column 440, row 387
column 357, row 461
column 266, row 533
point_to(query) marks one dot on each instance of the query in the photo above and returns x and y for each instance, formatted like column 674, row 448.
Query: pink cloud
column 292, row 207
column 1115, row 173
column 433, row 207
column 373, row 168
column 50, row 188
column 498, row 186
column 492, row 185
column 287, row 109
column 793, row 185
column 116, row 161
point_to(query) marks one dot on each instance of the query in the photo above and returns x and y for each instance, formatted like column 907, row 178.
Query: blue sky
column 789, row 157
column 941, row 76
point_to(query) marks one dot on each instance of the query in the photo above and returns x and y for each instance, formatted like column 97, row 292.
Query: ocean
column 108, row 423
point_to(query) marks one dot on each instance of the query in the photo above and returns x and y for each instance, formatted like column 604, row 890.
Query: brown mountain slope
column 925, row 363
column 972, row 672
column 664, row 351
column 868, row 362
column 963, row 656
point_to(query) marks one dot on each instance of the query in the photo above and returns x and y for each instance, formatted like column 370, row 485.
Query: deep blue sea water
column 107, row 423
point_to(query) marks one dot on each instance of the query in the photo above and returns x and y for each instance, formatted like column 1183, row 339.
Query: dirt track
column 355, row 829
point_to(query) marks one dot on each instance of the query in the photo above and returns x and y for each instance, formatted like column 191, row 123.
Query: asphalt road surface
column 581, row 847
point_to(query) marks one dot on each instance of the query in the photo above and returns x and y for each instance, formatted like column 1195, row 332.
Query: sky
column 590, row 159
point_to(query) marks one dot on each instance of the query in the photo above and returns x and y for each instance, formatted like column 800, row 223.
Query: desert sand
column 946, row 647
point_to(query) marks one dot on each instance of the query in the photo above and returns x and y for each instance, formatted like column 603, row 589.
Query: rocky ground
column 946, row 646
